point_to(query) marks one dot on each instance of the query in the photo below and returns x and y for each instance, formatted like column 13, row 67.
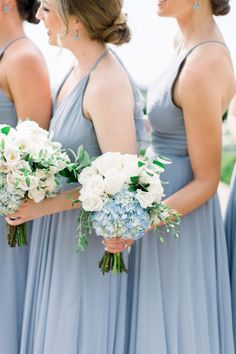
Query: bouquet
column 121, row 196
column 30, row 166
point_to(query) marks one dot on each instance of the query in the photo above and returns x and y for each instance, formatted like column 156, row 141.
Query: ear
column 75, row 24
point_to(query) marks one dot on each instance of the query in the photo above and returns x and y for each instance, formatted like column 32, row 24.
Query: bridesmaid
column 24, row 92
column 70, row 307
column 230, row 219
column 179, row 293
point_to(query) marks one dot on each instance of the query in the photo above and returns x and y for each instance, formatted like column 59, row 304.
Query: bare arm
column 29, row 88
column 203, row 91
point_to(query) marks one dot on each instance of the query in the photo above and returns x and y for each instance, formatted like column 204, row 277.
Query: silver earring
column 75, row 36
column 5, row 9
column 196, row 5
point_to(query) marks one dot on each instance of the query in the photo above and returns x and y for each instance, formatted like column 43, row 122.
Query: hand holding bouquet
column 121, row 196
column 30, row 166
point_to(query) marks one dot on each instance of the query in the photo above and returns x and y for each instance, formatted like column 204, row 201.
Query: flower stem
column 112, row 262
column 16, row 235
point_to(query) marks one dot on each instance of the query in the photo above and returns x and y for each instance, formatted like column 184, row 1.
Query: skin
column 115, row 128
column 21, row 62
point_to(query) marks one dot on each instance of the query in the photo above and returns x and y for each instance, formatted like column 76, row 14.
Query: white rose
column 23, row 141
column 11, row 180
column 145, row 198
column 130, row 166
column 114, row 181
column 20, row 166
column 12, row 155
column 86, row 173
column 33, row 183
column 49, row 184
column 107, row 161
column 157, row 191
column 40, row 174
column 36, row 195
column 92, row 202
column 145, row 178
column 31, row 127
column 95, row 184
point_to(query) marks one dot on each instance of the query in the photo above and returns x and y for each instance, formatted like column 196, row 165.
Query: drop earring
column 196, row 5
column 5, row 9
column 75, row 36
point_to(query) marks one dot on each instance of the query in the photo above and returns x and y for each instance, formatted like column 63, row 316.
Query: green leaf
column 132, row 188
column 158, row 163
column 80, row 152
column 141, row 164
column 5, row 130
column 142, row 152
column 163, row 159
column 134, row 179
column 2, row 144
column 27, row 181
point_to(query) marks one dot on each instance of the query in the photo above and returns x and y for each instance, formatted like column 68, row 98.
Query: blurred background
column 145, row 57
column 150, row 48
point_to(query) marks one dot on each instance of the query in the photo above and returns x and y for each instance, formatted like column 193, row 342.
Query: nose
column 39, row 13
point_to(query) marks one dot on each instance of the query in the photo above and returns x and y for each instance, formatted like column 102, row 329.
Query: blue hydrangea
column 122, row 216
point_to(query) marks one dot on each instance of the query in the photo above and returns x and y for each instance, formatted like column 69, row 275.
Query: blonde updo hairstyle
column 102, row 19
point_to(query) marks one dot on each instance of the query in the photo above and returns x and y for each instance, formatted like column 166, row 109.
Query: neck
column 9, row 30
column 197, row 27
column 86, row 51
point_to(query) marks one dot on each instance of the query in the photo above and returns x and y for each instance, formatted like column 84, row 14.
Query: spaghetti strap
column 205, row 42
column 101, row 56
column 2, row 50
column 185, row 56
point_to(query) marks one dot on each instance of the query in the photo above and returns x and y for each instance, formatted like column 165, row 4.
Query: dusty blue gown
column 70, row 307
column 230, row 230
column 178, row 292
column 13, row 264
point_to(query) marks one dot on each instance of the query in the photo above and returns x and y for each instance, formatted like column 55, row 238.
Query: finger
column 13, row 215
column 117, row 249
column 14, row 222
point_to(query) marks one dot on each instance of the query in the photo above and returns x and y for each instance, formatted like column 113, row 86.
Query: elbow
column 208, row 186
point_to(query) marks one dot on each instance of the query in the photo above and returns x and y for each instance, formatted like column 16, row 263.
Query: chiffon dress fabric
column 178, row 292
column 70, row 307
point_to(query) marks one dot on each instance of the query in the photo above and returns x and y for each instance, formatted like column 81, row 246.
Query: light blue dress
column 13, row 265
column 230, row 230
column 70, row 307
column 178, row 292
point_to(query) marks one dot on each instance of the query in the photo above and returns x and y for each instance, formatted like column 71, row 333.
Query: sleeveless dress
column 178, row 292
column 13, row 264
column 70, row 307
column 230, row 230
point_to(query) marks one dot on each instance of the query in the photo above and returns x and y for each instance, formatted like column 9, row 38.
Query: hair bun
column 28, row 10
column 119, row 32
column 220, row 7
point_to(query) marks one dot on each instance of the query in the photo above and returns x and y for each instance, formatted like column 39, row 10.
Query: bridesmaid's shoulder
column 207, row 66
column 24, row 56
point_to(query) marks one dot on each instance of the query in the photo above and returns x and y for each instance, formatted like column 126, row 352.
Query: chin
column 52, row 41
column 162, row 9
